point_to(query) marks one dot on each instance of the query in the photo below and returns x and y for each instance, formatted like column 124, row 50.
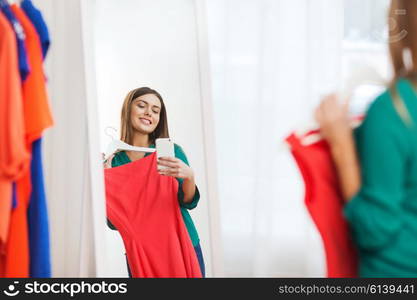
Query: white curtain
column 271, row 60
column 73, row 177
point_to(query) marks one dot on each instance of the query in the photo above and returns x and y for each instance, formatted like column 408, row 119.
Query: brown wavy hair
column 403, row 36
column 126, row 133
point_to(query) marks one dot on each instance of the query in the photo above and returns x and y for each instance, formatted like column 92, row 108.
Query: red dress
column 325, row 205
column 143, row 206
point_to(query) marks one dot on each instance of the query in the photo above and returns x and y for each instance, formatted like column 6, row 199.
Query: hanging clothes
column 39, row 246
column 37, row 117
column 149, row 220
column 325, row 205
column 36, row 17
column 14, row 156
column 22, row 55
column 16, row 258
column 121, row 158
column 24, row 66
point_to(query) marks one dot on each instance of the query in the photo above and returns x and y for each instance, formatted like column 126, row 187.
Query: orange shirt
column 14, row 156
column 37, row 112
column 37, row 117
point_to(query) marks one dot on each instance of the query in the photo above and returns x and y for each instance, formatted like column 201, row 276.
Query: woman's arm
column 376, row 212
column 188, row 187
column 107, row 164
column 334, row 127
column 178, row 169
column 347, row 166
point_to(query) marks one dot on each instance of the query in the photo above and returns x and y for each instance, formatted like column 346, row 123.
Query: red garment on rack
column 37, row 111
column 37, row 117
column 325, row 205
column 14, row 155
column 143, row 206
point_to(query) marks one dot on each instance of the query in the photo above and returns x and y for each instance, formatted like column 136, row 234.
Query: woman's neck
column 141, row 140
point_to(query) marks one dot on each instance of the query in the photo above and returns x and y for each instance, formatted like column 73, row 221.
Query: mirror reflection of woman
column 377, row 164
column 143, row 120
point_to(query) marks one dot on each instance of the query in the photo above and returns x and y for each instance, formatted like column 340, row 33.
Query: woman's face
column 145, row 113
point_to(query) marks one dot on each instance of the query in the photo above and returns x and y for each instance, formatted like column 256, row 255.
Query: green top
column 121, row 158
column 383, row 214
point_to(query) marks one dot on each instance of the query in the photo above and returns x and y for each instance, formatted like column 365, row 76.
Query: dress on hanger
column 148, row 218
column 325, row 205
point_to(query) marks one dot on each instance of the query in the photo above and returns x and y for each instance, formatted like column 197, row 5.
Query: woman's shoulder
column 385, row 117
column 401, row 87
column 398, row 100
column 383, row 105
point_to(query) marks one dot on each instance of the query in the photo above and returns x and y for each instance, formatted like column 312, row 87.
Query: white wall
column 153, row 43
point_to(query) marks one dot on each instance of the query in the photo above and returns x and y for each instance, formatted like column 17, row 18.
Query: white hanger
column 17, row 2
column 117, row 145
column 361, row 75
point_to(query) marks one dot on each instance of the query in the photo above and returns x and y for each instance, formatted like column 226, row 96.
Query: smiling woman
column 146, row 110
column 143, row 120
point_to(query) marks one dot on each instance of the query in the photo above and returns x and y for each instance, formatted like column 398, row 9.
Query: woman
column 143, row 120
column 377, row 164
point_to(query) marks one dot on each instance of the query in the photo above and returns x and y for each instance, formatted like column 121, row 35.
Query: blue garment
column 35, row 16
column 24, row 68
column 40, row 265
column 200, row 259
column 14, row 196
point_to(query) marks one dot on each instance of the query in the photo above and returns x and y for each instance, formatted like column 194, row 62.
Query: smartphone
column 164, row 148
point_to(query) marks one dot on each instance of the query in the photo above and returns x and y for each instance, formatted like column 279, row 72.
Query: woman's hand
column 107, row 162
column 332, row 117
column 174, row 167
column 334, row 127
column 177, row 168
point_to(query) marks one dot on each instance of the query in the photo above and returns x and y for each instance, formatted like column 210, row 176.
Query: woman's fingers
column 319, row 114
column 176, row 171
column 332, row 116
column 174, row 167
column 346, row 104
column 170, row 172
column 330, row 104
column 330, row 109
column 168, row 159
column 167, row 169
column 168, row 163
column 168, row 166
column 173, row 174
